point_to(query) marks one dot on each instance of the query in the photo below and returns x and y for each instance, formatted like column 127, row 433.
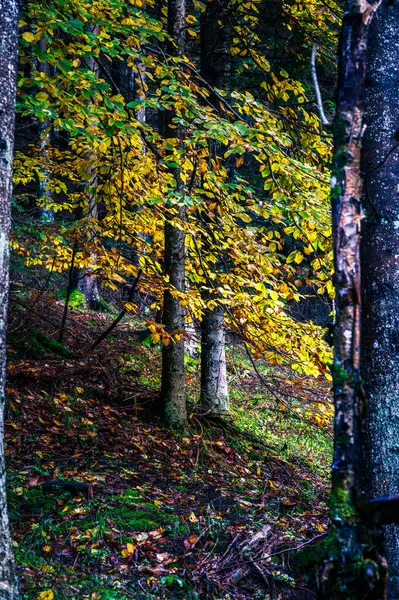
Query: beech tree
column 8, row 70
column 47, row 134
column 88, row 283
column 173, row 376
column 214, row 63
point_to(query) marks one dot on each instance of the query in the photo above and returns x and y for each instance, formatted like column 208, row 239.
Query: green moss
column 36, row 345
column 339, row 374
column 136, row 520
column 314, row 554
column 341, row 506
column 133, row 514
column 31, row 500
column 76, row 298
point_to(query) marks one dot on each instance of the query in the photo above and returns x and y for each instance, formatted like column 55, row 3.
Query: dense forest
column 199, row 299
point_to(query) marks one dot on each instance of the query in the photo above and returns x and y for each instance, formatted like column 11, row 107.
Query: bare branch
column 325, row 122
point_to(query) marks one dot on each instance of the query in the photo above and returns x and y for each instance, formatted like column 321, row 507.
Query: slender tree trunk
column 380, row 272
column 173, row 376
column 46, row 134
column 214, row 388
column 355, row 568
column 88, row 284
column 214, row 394
column 8, row 69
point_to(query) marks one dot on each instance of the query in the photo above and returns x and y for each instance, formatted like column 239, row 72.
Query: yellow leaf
column 193, row 518
column 47, row 548
column 47, row 595
column 155, row 337
column 41, row 96
column 28, row 36
column 128, row 551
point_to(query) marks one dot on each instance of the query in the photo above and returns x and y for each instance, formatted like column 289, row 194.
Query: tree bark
column 214, row 388
column 214, row 394
column 173, row 401
column 8, row 69
column 380, row 272
column 355, row 568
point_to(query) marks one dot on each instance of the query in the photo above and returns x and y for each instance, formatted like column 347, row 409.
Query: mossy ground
column 165, row 508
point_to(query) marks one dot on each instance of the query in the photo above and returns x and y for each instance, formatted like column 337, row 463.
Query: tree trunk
column 173, row 376
column 46, row 135
column 380, row 273
column 88, row 284
column 214, row 394
column 8, row 69
column 355, row 568
column 214, row 389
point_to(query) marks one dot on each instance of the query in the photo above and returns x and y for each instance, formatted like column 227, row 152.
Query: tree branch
column 325, row 122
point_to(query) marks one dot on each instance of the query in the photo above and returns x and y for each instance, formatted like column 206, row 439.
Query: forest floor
column 210, row 515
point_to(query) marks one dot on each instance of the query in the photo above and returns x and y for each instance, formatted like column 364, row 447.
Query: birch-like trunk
column 173, row 399
column 214, row 395
column 380, row 272
column 355, row 567
column 214, row 388
column 8, row 69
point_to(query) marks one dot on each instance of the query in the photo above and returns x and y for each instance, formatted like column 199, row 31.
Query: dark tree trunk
column 355, row 568
column 214, row 51
column 380, row 272
column 8, row 68
column 214, row 394
column 173, row 376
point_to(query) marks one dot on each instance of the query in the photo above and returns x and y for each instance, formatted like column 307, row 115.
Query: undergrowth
column 162, row 509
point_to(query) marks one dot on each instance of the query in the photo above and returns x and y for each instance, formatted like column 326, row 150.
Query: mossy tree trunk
column 8, row 69
column 355, row 567
column 380, row 273
column 173, row 401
